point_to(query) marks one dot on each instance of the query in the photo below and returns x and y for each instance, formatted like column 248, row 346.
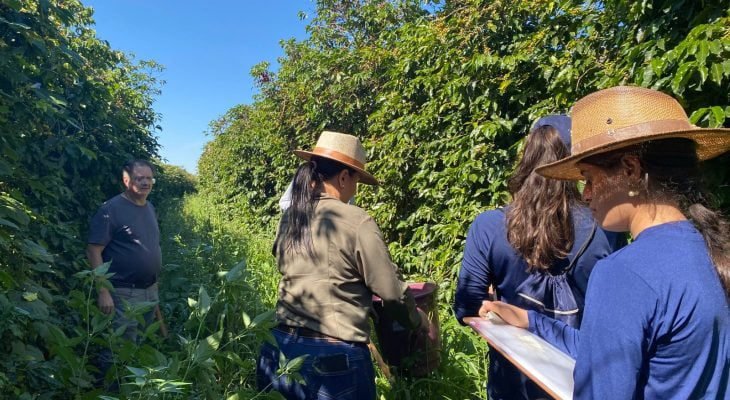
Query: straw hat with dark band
column 343, row 148
column 622, row 116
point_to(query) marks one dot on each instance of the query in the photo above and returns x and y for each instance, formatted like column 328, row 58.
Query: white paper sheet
column 550, row 368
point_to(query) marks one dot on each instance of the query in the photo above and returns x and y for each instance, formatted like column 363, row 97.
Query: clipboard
column 543, row 363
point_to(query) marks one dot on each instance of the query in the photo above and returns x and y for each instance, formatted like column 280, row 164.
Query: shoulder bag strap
column 582, row 249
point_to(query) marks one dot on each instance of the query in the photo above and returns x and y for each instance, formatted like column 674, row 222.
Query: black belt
column 132, row 285
column 303, row 332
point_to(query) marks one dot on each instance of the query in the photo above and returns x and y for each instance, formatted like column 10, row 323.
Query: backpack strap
column 582, row 248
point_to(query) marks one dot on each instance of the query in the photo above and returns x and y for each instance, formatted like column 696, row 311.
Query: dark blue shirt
column 131, row 239
column 490, row 259
column 656, row 322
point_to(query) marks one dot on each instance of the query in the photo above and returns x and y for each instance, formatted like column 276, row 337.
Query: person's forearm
column 94, row 258
column 94, row 254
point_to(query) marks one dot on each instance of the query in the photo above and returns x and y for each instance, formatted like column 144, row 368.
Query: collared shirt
column 331, row 290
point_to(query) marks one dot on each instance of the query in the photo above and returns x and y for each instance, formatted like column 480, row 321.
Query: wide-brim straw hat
column 343, row 148
column 623, row 116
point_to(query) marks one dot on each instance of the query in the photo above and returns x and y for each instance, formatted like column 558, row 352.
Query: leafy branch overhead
column 442, row 96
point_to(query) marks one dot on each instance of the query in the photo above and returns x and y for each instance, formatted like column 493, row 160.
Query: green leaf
column 207, row 347
column 697, row 115
column 30, row 296
column 203, row 301
column 102, row 269
column 34, row 250
column 718, row 117
column 295, row 364
column 15, row 25
column 264, row 316
column 5, row 222
column 138, row 372
column 87, row 153
column 14, row 4
column 58, row 101
column 214, row 340
column 99, row 322
column 59, row 337
column 236, row 272
column 680, row 78
column 6, row 279
column 192, row 303
column 716, row 73
column 703, row 50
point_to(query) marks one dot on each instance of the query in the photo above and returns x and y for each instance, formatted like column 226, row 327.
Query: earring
column 633, row 193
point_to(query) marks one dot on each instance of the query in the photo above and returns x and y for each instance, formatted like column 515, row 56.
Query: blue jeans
column 332, row 370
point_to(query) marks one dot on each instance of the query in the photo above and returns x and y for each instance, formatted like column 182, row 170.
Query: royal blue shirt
column 490, row 259
column 656, row 323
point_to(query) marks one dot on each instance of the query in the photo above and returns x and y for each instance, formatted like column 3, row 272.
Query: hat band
column 336, row 155
column 630, row 132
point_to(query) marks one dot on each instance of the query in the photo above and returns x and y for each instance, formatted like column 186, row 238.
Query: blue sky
column 207, row 48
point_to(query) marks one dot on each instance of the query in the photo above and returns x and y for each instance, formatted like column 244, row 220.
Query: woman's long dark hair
column 539, row 222
column 673, row 174
column 295, row 234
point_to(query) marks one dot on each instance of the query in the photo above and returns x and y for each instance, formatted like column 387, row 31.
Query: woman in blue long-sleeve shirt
column 534, row 240
column 656, row 321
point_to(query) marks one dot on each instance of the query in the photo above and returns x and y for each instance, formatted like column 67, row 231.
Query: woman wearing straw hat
column 538, row 252
column 332, row 259
column 656, row 322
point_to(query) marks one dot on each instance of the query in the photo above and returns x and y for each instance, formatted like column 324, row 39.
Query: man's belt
column 133, row 285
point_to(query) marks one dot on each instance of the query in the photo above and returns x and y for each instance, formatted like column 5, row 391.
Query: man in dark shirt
column 124, row 231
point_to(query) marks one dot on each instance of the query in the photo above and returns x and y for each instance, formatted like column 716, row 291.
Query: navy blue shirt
column 131, row 239
column 656, row 322
column 489, row 259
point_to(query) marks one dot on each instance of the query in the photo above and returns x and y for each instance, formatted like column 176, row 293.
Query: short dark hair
column 129, row 165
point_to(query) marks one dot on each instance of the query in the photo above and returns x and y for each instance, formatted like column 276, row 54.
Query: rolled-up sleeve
column 381, row 275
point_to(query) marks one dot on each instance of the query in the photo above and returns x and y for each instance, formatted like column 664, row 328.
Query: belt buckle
column 288, row 329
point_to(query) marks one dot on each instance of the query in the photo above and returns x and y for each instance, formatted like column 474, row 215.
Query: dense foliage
column 72, row 110
column 443, row 98
column 440, row 92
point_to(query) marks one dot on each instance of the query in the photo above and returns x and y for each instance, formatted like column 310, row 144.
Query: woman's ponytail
column 296, row 233
column 306, row 186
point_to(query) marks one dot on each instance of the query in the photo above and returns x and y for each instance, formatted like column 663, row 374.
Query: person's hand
column 510, row 314
column 105, row 301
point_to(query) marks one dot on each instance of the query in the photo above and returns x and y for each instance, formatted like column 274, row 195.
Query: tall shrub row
column 71, row 111
column 442, row 95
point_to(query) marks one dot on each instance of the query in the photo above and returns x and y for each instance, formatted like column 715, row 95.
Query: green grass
column 220, row 274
